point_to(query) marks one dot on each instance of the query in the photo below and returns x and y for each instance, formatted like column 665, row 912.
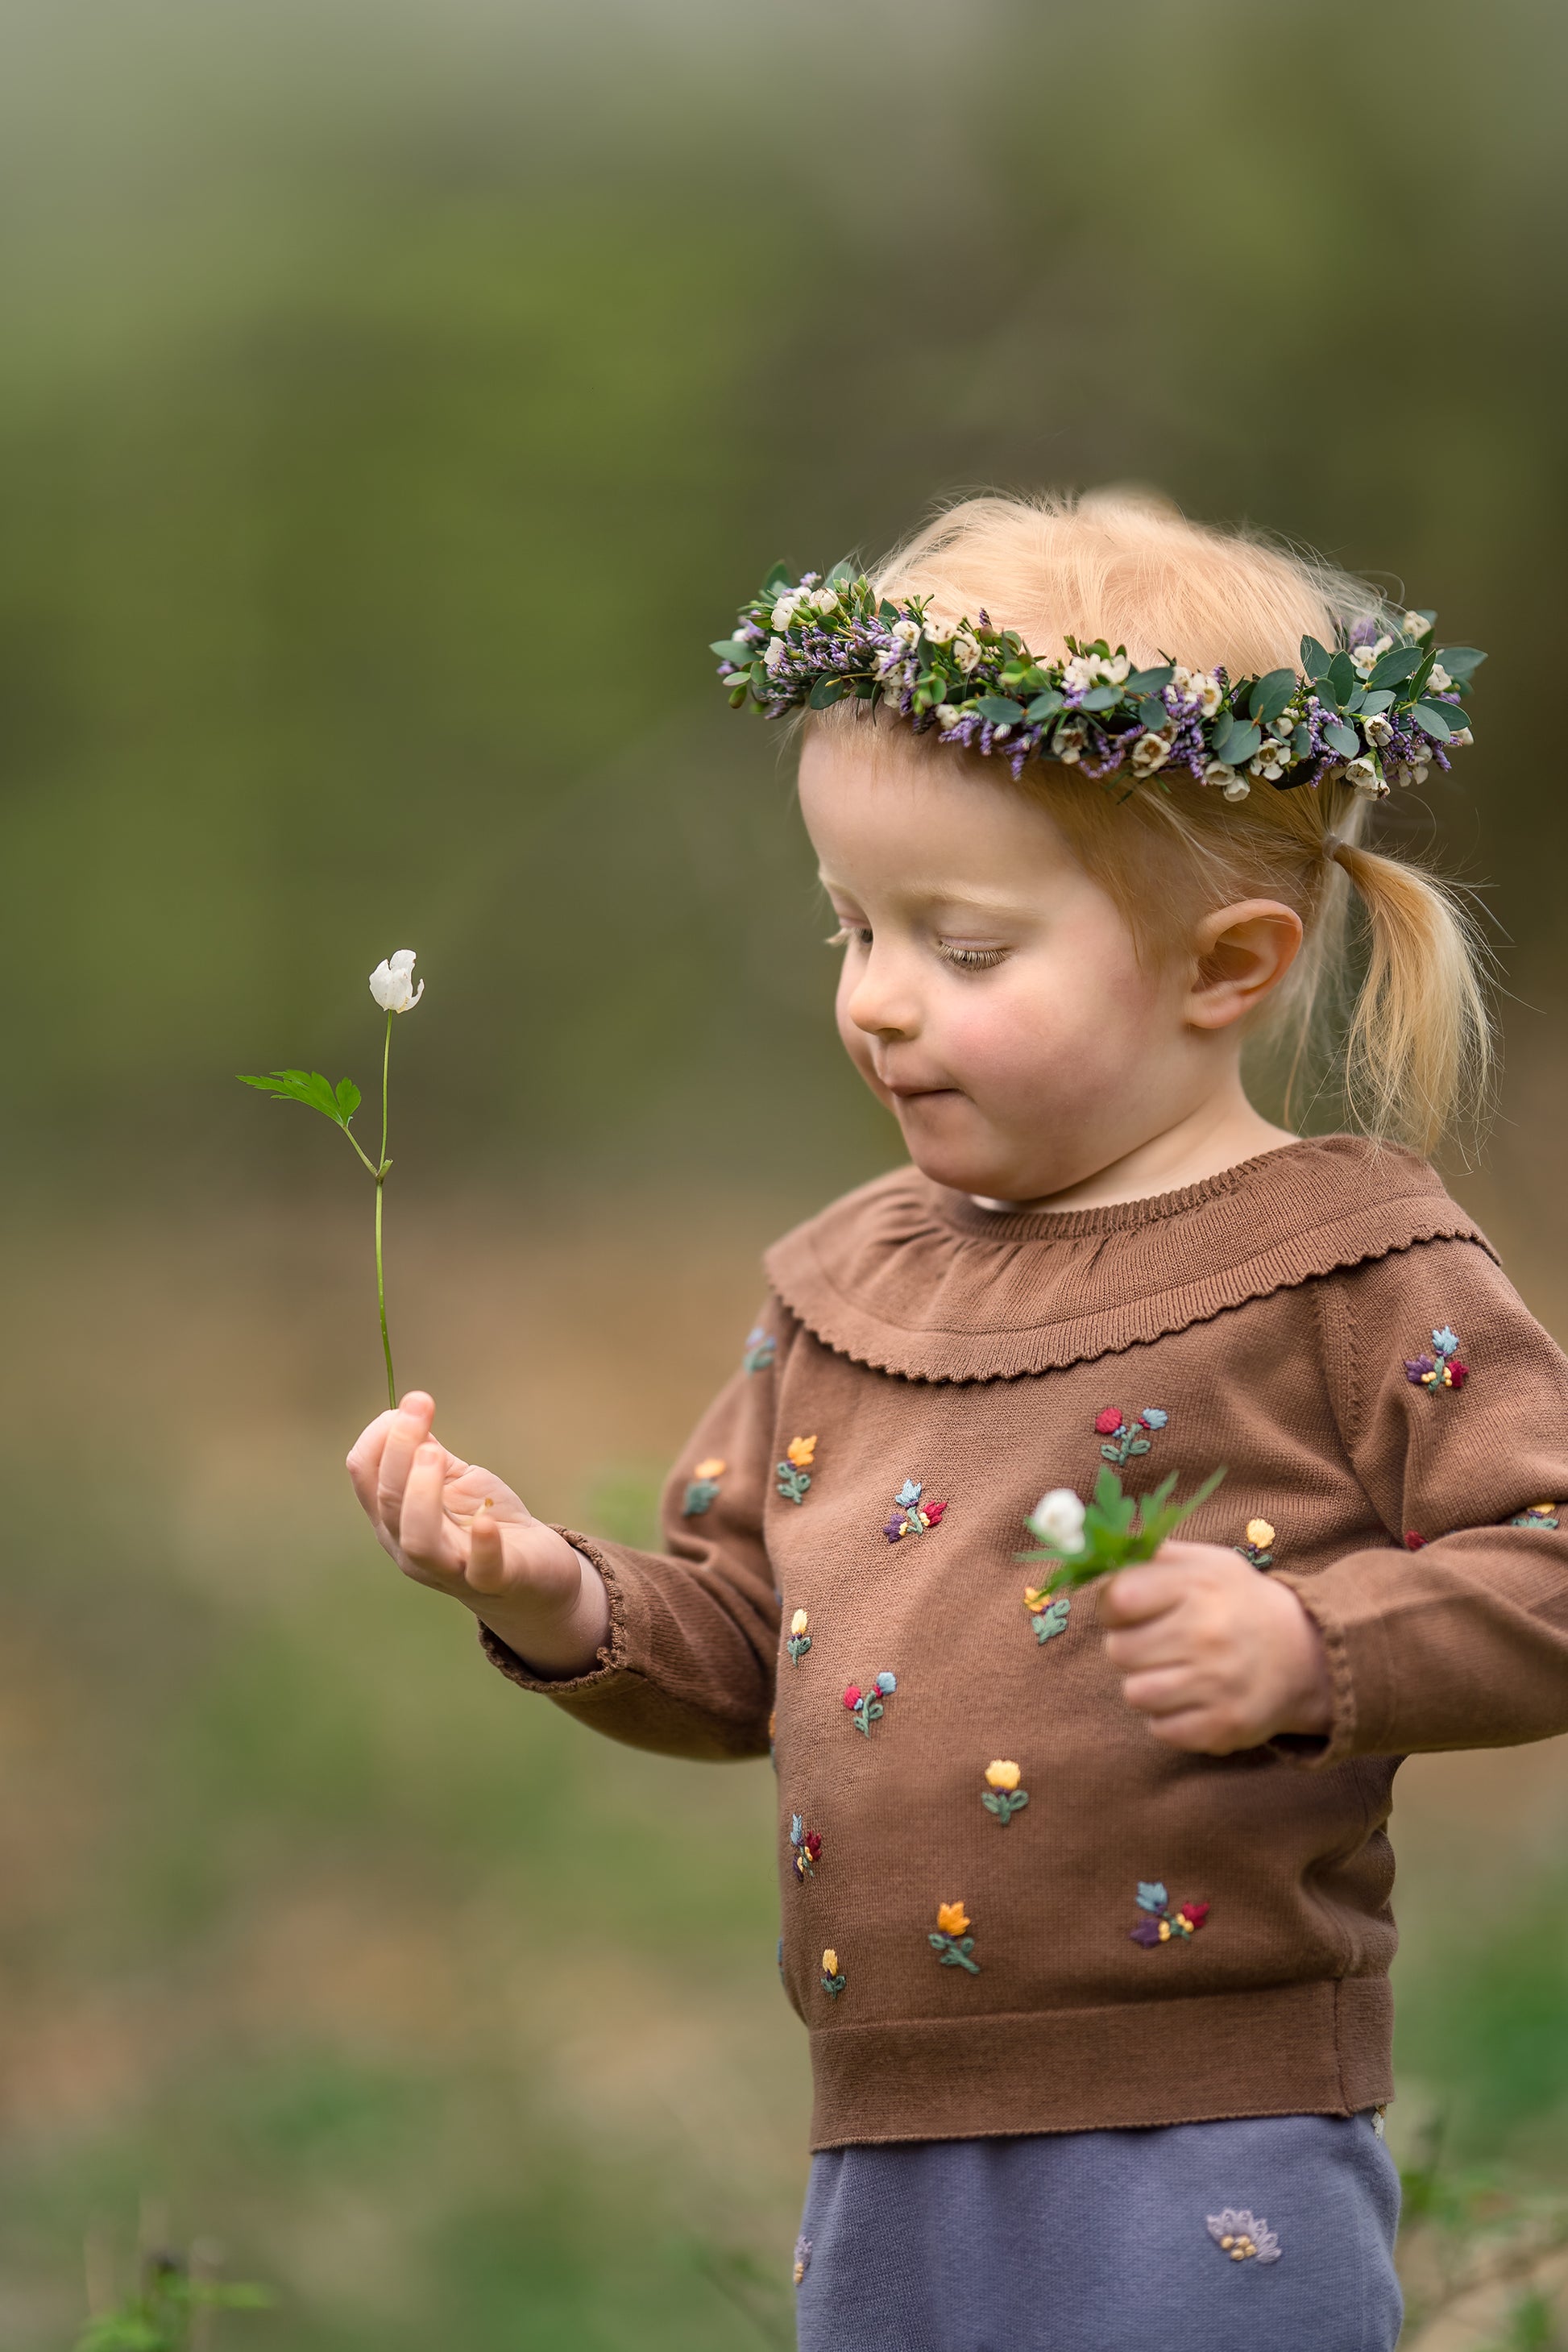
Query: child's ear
column 1240, row 954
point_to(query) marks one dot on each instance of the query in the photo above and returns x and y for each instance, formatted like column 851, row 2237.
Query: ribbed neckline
column 966, row 1216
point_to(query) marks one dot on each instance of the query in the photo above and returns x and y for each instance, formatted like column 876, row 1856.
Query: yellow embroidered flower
column 951, row 1918
column 830, row 1962
column 1035, row 1597
column 799, row 1622
column 1260, row 1533
column 711, row 1468
column 1164, row 1931
column 1003, row 1775
column 801, row 1452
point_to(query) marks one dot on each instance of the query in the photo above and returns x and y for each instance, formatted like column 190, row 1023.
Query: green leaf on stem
column 1119, row 1530
column 310, row 1087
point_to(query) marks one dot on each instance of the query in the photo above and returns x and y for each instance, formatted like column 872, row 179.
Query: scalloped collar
column 909, row 1278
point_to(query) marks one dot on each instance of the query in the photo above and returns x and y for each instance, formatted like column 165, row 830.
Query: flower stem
column 379, row 1184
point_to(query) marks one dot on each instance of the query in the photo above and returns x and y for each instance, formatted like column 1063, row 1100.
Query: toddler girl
column 1086, row 1898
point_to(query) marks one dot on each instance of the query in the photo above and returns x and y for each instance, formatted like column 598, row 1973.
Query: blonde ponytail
column 1413, row 1041
column 1418, row 1047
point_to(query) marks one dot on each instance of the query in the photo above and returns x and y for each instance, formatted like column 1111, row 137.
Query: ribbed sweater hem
column 1284, row 2050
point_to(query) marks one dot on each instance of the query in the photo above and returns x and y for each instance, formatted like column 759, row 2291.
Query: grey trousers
column 1273, row 2234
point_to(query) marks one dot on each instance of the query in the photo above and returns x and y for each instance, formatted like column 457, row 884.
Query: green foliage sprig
column 1118, row 1529
column 166, row 2313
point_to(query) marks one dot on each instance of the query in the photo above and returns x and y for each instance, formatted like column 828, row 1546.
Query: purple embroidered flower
column 912, row 1516
column 1440, row 1370
column 1160, row 1924
column 1241, row 2236
column 802, row 2258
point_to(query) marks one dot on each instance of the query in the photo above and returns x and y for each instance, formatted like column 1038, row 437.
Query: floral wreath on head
column 1379, row 707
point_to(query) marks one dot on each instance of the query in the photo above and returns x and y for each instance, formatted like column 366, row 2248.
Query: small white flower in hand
column 391, row 983
column 1057, row 1518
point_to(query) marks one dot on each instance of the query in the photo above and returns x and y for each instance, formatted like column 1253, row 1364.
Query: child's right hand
column 457, row 1527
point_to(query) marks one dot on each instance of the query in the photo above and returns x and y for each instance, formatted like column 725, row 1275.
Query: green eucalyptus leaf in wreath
column 1341, row 678
column 1270, row 695
column 1241, row 743
column 999, row 710
column 1434, row 721
column 1301, row 741
column 1100, row 698
column 825, row 691
column 1460, row 661
column 842, row 573
column 1154, row 713
column 1315, row 659
column 887, row 612
column 1395, row 668
column 781, row 576
column 1150, row 681
column 1374, row 705
column 1342, row 738
column 731, row 649
column 1045, row 706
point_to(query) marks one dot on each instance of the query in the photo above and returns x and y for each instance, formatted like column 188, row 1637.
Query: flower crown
column 1380, row 708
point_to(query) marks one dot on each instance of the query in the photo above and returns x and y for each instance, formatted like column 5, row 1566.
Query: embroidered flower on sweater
column 1047, row 1616
column 799, row 1640
column 912, row 1516
column 949, row 1940
column 1536, row 1515
column 1440, row 1370
column 1160, row 1924
column 866, row 1706
column 832, row 1980
column 808, row 1845
column 793, row 1473
column 1122, row 1439
column 1258, row 1544
column 703, row 1488
column 760, row 1350
column 1002, row 1794
column 802, row 2258
column 1243, row 2238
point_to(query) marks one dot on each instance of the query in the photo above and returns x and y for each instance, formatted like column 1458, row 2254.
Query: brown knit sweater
column 949, row 1364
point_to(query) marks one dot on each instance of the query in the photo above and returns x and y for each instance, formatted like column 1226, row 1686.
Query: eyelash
column 962, row 958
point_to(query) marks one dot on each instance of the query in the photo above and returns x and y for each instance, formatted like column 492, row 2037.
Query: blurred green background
column 394, row 399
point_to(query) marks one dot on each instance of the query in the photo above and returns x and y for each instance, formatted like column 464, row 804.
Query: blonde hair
column 1414, row 1041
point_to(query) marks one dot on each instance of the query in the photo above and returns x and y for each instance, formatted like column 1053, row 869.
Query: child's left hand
column 1217, row 1653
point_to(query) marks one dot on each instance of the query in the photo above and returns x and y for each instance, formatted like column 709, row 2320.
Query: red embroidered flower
column 932, row 1513
column 852, row 1696
column 1109, row 1422
column 1458, row 1373
column 813, row 1843
column 1195, row 1914
column 1412, row 1541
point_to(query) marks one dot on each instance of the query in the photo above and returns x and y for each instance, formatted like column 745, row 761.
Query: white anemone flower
column 391, row 983
column 1057, row 1519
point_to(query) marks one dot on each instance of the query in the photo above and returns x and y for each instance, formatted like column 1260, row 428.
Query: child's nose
column 882, row 1002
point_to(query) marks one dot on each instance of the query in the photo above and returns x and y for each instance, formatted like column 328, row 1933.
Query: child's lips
column 908, row 1094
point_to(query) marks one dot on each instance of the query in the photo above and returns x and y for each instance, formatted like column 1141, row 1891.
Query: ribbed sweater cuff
column 1347, row 1715
column 613, row 1670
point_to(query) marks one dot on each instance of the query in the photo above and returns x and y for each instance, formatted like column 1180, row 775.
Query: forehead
column 888, row 814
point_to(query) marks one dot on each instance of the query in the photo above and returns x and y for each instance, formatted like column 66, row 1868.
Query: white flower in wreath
column 1284, row 728
column 1217, row 773
column 939, row 633
column 893, row 694
column 1151, row 752
column 1416, row 625
column 826, row 600
column 1438, row 680
column 907, row 632
column 1237, row 788
column 1203, row 688
column 1377, row 731
column 1080, row 672
column 1363, row 774
column 1114, row 671
column 1461, row 739
column 966, row 654
column 774, row 655
column 948, row 715
column 789, row 604
column 1270, row 759
column 1068, row 743
column 1366, row 657
column 891, row 659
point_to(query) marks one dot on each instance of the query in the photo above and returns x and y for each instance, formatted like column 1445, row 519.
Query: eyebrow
column 979, row 902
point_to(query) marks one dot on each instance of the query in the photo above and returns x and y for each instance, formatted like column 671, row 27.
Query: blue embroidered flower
column 1122, row 1439
column 761, row 1348
column 1537, row 1515
column 1440, row 1370
column 911, row 1515
column 1160, row 1924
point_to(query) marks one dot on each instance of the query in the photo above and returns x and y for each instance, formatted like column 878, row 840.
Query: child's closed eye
column 850, row 935
column 968, row 959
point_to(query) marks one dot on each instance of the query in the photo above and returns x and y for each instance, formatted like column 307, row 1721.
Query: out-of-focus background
column 395, row 396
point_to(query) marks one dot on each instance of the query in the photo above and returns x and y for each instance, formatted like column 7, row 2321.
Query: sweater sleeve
column 1453, row 1408
column 688, row 1666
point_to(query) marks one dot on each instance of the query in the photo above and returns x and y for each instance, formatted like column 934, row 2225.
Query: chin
column 966, row 1164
